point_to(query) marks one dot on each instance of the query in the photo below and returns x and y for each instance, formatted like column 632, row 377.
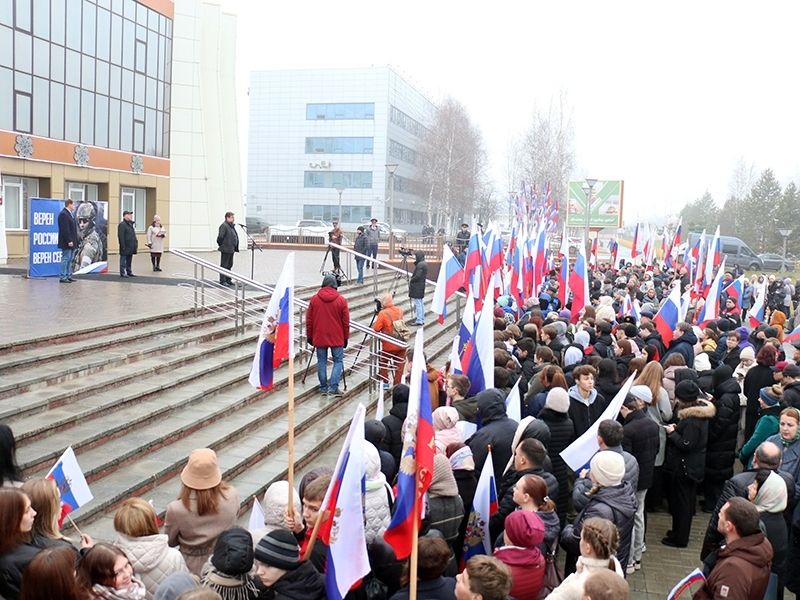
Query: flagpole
column 290, row 436
column 313, row 539
column 412, row 584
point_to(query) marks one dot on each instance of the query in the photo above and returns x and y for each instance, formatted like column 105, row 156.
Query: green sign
column 605, row 207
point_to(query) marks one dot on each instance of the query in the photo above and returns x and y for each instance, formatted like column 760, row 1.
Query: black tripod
column 399, row 276
column 253, row 245
column 308, row 366
column 338, row 272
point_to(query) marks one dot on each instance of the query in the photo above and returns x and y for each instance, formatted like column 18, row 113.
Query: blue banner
column 44, row 256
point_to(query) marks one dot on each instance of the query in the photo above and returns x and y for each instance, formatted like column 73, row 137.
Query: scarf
column 230, row 587
column 787, row 443
column 771, row 496
column 134, row 592
column 462, row 459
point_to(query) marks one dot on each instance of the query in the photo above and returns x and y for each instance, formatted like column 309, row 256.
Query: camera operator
column 360, row 246
column 373, row 237
column 335, row 236
column 416, row 286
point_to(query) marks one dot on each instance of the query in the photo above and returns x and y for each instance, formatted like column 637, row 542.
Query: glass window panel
column 87, row 117
column 12, row 192
column 87, row 73
column 104, row 4
column 116, row 6
column 23, row 83
column 138, row 112
column 101, row 121
column 152, row 20
column 166, row 134
column 7, row 12
column 56, row 63
column 115, row 81
column 127, row 85
column 22, row 112
column 160, row 98
column 22, row 15
column 160, row 134
column 141, row 14
column 116, row 39
column 72, row 107
column 73, row 73
column 6, row 44
column 6, row 97
column 113, row 123
column 41, row 105
column 23, row 51
column 73, row 24
column 89, row 28
column 152, row 53
column 58, row 13
column 101, row 83
column 128, row 41
column 141, row 56
column 103, row 34
column 56, row 110
column 169, row 29
column 41, row 19
column 150, row 100
column 161, row 48
column 150, row 132
column 130, row 9
column 41, row 58
column 138, row 136
column 162, row 24
column 126, row 127
column 139, row 91
column 168, row 59
column 141, row 33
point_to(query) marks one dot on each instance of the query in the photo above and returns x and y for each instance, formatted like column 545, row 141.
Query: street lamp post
column 785, row 233
column 340, row 189
column 587, row 188
column 391, row 167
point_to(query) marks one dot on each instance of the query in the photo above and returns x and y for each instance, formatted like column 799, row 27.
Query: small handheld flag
column 477, row 538
column 257, row 516
column 71, row 483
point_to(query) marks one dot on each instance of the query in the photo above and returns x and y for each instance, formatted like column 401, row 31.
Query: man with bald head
column 393, row 354
column 767, row 456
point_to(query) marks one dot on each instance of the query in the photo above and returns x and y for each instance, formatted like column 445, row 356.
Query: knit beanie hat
column 279, row 549
column 687, row 391
column 643, row 393
column 557, row 400
column 582, row 338
column 174, row 585
column 607, row 468
column 444, row 417
column 769, row 396
column 572, row 356
column 233, row 552
column 329, row 281
column 443, row 482
column 524, row 529
column 747, row 353
column 702, row 363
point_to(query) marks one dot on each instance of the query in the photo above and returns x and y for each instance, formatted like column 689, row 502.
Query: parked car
column 737, row 253
column 256, row 224
column 313, row 223
column 776, row 262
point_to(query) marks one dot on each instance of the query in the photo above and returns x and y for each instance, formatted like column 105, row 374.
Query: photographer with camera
column 328, row 327
column 389, row 321
column 335, row 236
column 416, row 286
column 360, row 246
column 373, row 237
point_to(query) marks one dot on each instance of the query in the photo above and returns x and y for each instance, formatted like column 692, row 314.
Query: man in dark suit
column 128, row 244
column 228, row 242
column 67, row 240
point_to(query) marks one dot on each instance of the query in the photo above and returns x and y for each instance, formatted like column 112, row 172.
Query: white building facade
column 314, row 132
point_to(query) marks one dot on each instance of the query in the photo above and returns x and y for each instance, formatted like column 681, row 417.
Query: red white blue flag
column 480, row 367
column 756, row 314
column 276, row 339
column 477, row 539
column 710, row 310
column 416, row 462
column 669, row 315
column 563, row 271
column 793, row 335
column 451, row 277
column 579, row 284
column 71, row 484
column 735, row 291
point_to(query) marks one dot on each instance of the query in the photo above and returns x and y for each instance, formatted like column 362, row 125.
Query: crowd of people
column 698, row 403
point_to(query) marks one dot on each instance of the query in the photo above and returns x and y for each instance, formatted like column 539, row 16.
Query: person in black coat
column 683, row 341
column 791, row 385
column 496, row 430
column 375, row 433
column 416, row 286
column 555, row 415
column 128, row 244
column 607, row 382
column 464, row 472
column 722, row 435
column 394, row 420
column 730, row 356
column 759, row 376
column 227, row 243
column 686, row 459
column 67, row 240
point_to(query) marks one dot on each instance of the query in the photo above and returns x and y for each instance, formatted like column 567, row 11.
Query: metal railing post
column 202, row 290
column 301, row 323
column 374, row 365
column 374, row 279
column 195, row 290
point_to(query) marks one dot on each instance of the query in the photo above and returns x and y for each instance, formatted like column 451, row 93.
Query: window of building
column 23, row 112
column 16, row 192
column 341, row 110
column 81, row 192
column 402, row 152
column 133, row 199
column 401, row 119
column 339, row 145
column 329, row 212
column 333, row 179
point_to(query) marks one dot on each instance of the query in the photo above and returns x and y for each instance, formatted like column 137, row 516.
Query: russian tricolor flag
column 756, row 314
column 416, row 465
column 710, row 310
column 630, row 308
column 276, row 339
column 635, row 244
column 613, row 247
column 477, row 539
column 712, row 258
column 792, row 336
column 563, row 272
column 451, row 277
column 579, row 284
column 668, row 316
column 736, row 291
column 343, row 529
column 71, row 484
column 480, row 367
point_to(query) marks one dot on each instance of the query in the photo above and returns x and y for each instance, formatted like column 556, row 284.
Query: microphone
column 242, row 226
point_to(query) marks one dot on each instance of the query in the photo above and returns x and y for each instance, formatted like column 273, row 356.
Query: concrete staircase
column 134, row 399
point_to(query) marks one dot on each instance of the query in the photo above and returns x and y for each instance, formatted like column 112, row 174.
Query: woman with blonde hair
column 206, row 506
column 46, row 501
column 152, row 559
column 155, row 241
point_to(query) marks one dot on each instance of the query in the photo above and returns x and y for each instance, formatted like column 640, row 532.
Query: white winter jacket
column 377, row 512
column 152, row 559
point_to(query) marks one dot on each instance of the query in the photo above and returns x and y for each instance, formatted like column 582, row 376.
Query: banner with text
column 44, row 256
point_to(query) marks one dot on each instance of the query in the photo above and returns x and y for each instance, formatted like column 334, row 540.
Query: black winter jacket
column 684, row 345
column 67, row 230
column 302, row 583
column 562, row 434
column 731, row 357
column 496, row 430
column 655, row 340
column 723, row 431
column 758, row 377
column 686, row 446
column 584, row 414
column 506, row 495
column 394, row 425
column 791, row 394
column 641, row 440
column 618, row 505
column 416, row 285
column 227, row 238
column 126, row 236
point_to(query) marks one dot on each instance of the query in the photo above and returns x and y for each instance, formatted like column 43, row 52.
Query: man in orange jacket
column 394, row 355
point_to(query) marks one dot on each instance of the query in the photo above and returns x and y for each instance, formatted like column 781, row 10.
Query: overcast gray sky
column 667, row 96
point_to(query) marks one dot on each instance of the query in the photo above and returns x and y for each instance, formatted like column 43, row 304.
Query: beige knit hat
column 607, row 468
column 202, row 471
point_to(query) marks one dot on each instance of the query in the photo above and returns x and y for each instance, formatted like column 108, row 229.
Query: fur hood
column 702, row 410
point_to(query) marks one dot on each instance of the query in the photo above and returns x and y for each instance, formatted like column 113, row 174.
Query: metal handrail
column 243, row 281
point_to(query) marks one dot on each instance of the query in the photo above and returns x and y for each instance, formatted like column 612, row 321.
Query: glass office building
column 314, row 132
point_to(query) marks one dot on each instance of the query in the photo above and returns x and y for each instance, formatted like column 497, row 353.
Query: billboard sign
column 606, row 204
column 44, row 255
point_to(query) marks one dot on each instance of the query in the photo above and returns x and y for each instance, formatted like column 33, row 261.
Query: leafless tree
column 742, row 179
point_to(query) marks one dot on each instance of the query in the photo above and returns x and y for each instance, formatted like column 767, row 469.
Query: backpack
column 400, row 330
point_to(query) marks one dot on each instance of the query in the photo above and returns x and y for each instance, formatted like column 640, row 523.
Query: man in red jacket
column 328, row 327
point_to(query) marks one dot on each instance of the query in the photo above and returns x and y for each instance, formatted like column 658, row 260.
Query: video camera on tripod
column 406, row 252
